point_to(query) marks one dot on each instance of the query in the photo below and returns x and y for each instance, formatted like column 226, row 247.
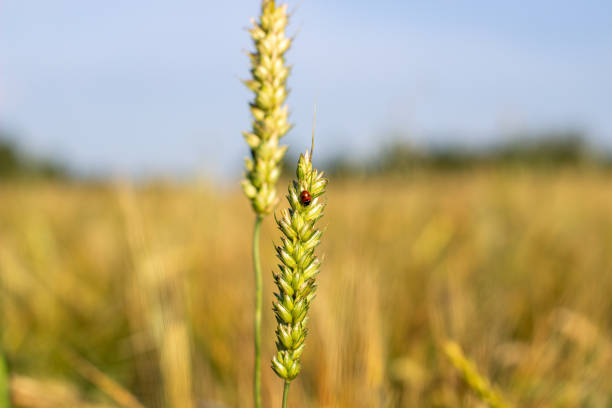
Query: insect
column 305, row 198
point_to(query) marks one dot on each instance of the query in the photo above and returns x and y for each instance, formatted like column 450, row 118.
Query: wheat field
column 115, row 295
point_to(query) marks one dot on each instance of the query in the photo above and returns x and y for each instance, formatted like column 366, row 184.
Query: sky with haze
column 137, row 87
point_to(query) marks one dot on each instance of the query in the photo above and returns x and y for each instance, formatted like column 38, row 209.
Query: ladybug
column 305, row 198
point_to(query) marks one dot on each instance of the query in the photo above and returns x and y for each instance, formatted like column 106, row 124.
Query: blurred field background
column 469, row 150
column 150, row 286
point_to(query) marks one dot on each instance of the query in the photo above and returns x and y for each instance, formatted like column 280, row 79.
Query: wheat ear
column 270, row 114
column 298, row 269
column 270, row 122
column 477, row 383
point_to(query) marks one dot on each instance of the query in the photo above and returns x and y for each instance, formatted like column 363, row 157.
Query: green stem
column 5, row 378
column 257, row 317
column 286, row 394
column 4, row 383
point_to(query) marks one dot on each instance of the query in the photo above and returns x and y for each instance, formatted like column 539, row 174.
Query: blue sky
column 146, row 86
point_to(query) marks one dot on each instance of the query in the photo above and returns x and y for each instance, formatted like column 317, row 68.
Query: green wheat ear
column 270, row 114
column 299, row 267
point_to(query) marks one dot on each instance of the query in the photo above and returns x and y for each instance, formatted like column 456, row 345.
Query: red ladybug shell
column 305, row 198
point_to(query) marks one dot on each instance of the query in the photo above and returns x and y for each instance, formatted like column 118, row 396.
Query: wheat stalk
column 270, row 123
column 5, row 400
column 5, row 395
column 477, row 382
column 298, row 269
